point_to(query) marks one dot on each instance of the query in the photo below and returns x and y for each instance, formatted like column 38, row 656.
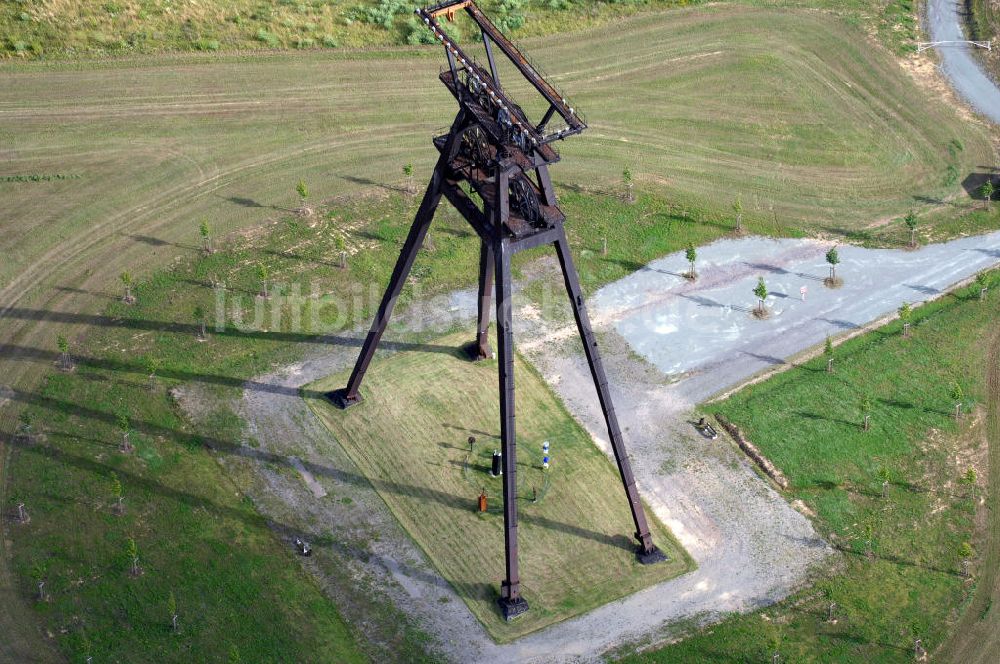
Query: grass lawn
column 409, row 437
column 198, row 539
column 807, row 421
column 174, row 485
column 148, row 147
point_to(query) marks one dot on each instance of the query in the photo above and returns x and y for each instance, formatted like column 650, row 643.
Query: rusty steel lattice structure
column 503, row 157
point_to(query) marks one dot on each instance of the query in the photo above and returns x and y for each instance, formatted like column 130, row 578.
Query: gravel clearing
column 667, row 344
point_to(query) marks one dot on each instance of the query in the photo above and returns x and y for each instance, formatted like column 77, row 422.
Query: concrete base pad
column 650, row 557
column 512, row 608
column 340, row 399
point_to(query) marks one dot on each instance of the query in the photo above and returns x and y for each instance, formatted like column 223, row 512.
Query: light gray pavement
column 694, row 328
column 751, row 546
column 944, row 23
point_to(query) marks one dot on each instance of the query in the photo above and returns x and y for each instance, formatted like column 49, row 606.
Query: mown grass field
column 152, row 146
column 409, row 435
column 805, row 122
column 808, row 422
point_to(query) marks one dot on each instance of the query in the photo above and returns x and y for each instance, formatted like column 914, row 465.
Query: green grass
column 197, row 538
column 807, row 422
column 150, row 146
column 174, row 485
column 408, row 437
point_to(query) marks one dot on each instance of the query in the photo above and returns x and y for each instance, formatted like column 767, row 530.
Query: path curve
column 944, row 23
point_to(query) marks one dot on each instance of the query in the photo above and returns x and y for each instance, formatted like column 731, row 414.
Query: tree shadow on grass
column 243, row 201
column 898, row 560
column 80, row 291
column 288, row 255
column 816, row 416
column 475, row 432
column 372, row 183
column 252, row 518
column 27, row 353
column 460, row 503
column 861, row 641
column 157, row 242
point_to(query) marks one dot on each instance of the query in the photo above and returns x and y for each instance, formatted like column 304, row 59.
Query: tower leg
column 646, row 551
column 481, row 348
column 349, row 396
column 511, row 603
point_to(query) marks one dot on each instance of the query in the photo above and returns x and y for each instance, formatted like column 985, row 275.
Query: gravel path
column 944, row 23
column 751, row 546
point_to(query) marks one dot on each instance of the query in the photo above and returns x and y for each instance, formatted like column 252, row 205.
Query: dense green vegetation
column 32, row 28
column 899, row 575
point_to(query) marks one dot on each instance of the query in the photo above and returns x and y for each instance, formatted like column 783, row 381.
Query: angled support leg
column 349, row 395
column 646, row 551
column 511, row 603
column 481, row 348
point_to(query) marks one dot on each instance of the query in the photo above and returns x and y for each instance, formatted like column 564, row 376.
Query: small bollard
column 482, row 501
column 497, row 468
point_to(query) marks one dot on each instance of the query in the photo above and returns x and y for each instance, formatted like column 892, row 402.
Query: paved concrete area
column 944, row 23
column 687, row 329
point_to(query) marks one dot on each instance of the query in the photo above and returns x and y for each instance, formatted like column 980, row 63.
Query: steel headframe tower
column 504, row 158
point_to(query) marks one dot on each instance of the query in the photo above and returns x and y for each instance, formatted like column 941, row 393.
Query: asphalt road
column 944, row 23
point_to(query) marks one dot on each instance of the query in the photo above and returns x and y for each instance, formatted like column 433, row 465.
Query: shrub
column 266, row 37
